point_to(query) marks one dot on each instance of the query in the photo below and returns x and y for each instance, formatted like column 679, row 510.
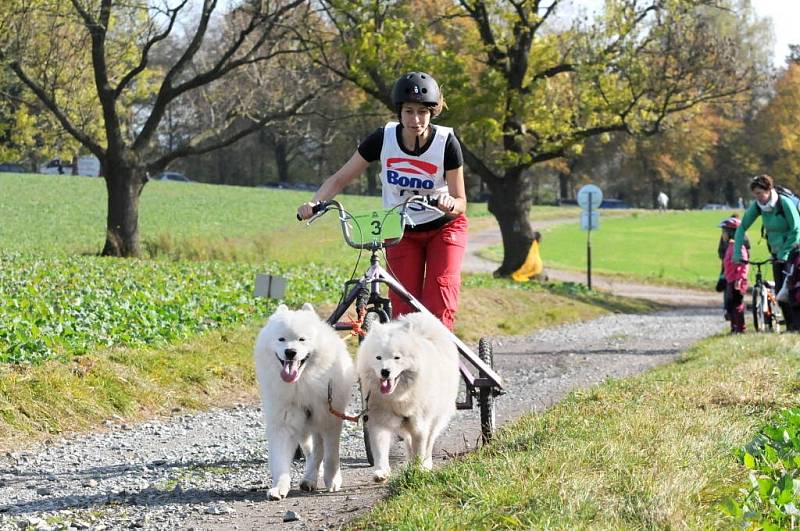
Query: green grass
column 678, row 247
column 656, row 451
column 62, row 396
column 496, row 306
column 46, row 214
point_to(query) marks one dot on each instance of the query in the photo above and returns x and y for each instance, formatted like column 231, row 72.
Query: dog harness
column 340, row 414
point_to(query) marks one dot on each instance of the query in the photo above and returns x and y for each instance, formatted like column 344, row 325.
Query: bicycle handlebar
column 324, row 206
column 767, row 261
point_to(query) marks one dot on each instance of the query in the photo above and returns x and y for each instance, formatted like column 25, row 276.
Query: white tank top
column 403, row 174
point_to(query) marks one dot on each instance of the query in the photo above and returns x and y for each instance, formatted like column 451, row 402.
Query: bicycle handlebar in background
column 763, row 262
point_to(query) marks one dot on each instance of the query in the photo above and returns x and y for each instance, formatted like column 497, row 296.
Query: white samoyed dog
column 297, row 355
column 409, row 373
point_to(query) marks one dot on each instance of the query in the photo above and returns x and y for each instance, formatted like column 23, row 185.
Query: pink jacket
column 735, row 271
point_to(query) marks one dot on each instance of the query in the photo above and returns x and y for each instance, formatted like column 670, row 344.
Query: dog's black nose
column 385, row 373
column 290, row 353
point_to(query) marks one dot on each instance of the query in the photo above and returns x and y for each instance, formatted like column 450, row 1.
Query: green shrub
column 771, row 499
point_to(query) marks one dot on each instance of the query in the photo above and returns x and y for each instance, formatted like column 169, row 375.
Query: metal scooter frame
column 370, row 283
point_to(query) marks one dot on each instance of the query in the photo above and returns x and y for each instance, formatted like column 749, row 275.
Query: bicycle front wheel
column 759, row 323
column 774, row 311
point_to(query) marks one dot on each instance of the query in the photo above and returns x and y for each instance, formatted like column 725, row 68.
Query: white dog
column 297, row 355
column 409, row 374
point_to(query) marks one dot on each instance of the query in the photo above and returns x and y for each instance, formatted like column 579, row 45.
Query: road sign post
column 589, row 198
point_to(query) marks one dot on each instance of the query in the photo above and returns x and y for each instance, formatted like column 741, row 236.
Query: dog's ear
column 308, row 307
column 281, row 308
column 406, row 323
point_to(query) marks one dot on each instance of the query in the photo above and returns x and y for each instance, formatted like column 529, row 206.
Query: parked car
column 88, row 165
column 172, row 176
column 11, row 167
column 716, row 206
column 614, row 203
column 290, row 186
column 56, row 167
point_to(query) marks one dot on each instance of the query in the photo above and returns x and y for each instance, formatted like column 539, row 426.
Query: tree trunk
column 124, row 185
column 282, row 161
column 372, row 182
column 510, row 203
column 563, row 185
column 694, row 196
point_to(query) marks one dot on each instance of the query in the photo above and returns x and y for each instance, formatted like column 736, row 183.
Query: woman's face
column 761, row 195
column 415, row 117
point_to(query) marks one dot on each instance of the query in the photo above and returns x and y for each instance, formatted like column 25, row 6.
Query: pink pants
column 428, row 265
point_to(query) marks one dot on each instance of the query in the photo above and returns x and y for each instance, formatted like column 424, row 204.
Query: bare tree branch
column 54, row 108
column 144, row 60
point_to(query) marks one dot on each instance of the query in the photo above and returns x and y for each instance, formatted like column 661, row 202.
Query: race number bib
column 376, row 226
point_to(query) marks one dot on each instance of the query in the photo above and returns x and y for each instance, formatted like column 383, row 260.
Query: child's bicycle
column 375, row 231
column 766, row 310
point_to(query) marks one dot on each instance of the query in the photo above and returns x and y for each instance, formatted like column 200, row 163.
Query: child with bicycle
column 417, row 158
column 735, row 275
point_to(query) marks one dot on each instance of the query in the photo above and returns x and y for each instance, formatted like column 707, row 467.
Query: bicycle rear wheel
column 485, row 394
column 774, row 311
column 758, row 309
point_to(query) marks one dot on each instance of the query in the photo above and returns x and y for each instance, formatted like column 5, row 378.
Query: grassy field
column 46, row 214
column 650, row 452
column 677, row 247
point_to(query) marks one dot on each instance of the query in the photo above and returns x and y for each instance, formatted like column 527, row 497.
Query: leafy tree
column 774, row 136
column 91, row 65
column 523, row 90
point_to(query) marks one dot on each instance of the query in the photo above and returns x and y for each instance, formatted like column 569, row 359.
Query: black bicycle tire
column 369, row 318
column 758, row 310
column 486, row 397
column 774, row 322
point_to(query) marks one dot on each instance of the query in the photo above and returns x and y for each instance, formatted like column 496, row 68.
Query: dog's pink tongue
column 386, row 386
column 290, row 371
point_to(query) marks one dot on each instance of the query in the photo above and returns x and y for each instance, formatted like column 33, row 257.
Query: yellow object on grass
column 532, row 267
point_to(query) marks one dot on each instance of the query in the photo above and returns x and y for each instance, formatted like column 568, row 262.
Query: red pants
column 428, row 265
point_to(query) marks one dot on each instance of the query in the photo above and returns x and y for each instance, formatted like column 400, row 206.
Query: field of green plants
column 770, row 497
column 203, row 246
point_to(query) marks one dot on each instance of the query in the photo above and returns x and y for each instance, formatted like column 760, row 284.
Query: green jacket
column 782, row 226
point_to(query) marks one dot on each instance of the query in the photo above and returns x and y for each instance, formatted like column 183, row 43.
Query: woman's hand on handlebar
column 446, row 203
column 306, row 210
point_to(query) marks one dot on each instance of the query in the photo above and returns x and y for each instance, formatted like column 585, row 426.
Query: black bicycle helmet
column 416, row 87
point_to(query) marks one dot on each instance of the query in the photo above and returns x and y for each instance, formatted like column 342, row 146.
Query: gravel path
column 208, row 471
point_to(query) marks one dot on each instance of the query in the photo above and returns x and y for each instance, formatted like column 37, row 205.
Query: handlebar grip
column 316, row 209
column 434, row 202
